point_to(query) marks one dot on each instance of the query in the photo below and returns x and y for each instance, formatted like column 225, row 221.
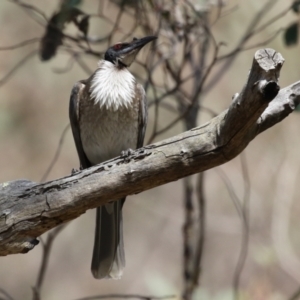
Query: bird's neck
column 112, row 88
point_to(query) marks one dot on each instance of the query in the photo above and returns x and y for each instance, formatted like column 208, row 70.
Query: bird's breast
column 106, row 133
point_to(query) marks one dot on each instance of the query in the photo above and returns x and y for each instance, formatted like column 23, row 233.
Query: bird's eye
column 117, row 46
column 134, row 39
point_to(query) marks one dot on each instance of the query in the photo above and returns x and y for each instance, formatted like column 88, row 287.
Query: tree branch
column 29, row 209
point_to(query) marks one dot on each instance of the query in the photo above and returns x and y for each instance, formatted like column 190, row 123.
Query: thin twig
column 296, row 295
column 45, row 259
column 272, row 20
column 57, row 153
column 231, row 191
column 245, row 236
column 188, row 239
column 32, row 11
column 6, row 294
column 202, row 222
column 180, row 117
column 21, row 44
column 233, row 54
column 124, row 296
column 6, row 77
column 116, row 25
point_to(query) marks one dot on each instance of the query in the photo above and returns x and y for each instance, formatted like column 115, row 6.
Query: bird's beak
column 129, row 52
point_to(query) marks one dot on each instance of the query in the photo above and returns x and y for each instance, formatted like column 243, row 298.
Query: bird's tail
column 108, row 256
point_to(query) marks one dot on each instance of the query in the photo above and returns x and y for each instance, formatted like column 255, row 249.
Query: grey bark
column 28, row 209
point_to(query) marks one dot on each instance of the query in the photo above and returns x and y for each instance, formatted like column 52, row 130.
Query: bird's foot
column 74, row 171
column 126, row 153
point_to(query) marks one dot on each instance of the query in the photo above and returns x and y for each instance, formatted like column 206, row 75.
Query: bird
column 108, row 114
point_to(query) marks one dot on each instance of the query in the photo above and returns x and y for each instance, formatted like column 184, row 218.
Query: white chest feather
column 109, row 119
column 112, row 88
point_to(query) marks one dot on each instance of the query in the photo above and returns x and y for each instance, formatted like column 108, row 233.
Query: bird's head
column 123, row 54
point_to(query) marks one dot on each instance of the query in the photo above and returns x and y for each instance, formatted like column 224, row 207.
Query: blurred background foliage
column 34, row 113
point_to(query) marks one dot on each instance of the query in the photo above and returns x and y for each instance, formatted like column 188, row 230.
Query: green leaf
column 296, row 7
column 291, row 34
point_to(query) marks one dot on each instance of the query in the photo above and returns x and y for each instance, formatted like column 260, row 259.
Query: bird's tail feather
column 108, row 255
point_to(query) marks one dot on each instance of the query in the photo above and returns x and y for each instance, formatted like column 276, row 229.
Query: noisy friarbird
column 108, row 115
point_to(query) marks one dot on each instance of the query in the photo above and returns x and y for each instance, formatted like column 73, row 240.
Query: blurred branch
column 194, row 231
column 130, row 296
column 189, row 233
column 193, row 100
column 21, row 44
column 296, row 295
column 231, row 191
column 45, row 259
column 265, row 42
column 57, row 153
column 249, row 33
column 243, row 212
column 288, row 258
column 245, row 223
column 6, row 294
column 200, row 238
column 32, row 10
column 6, row 77
column 273, row 20
column 29, row 209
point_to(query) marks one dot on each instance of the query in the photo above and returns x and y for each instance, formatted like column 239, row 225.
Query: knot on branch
column 29, row 245
column 269, row 89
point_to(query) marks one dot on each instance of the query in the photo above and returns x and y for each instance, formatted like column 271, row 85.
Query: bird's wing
column 74, row 115
column 143, row 114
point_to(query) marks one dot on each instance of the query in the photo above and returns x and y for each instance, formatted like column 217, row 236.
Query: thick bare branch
column 29, row 209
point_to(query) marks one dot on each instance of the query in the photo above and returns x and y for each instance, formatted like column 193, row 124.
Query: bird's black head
column 123, row 54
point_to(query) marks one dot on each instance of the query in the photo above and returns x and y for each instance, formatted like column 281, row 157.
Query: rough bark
column 28, row 209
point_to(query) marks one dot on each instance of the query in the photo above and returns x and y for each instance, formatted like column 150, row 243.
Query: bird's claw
column 74, row 171
column 127, row 153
